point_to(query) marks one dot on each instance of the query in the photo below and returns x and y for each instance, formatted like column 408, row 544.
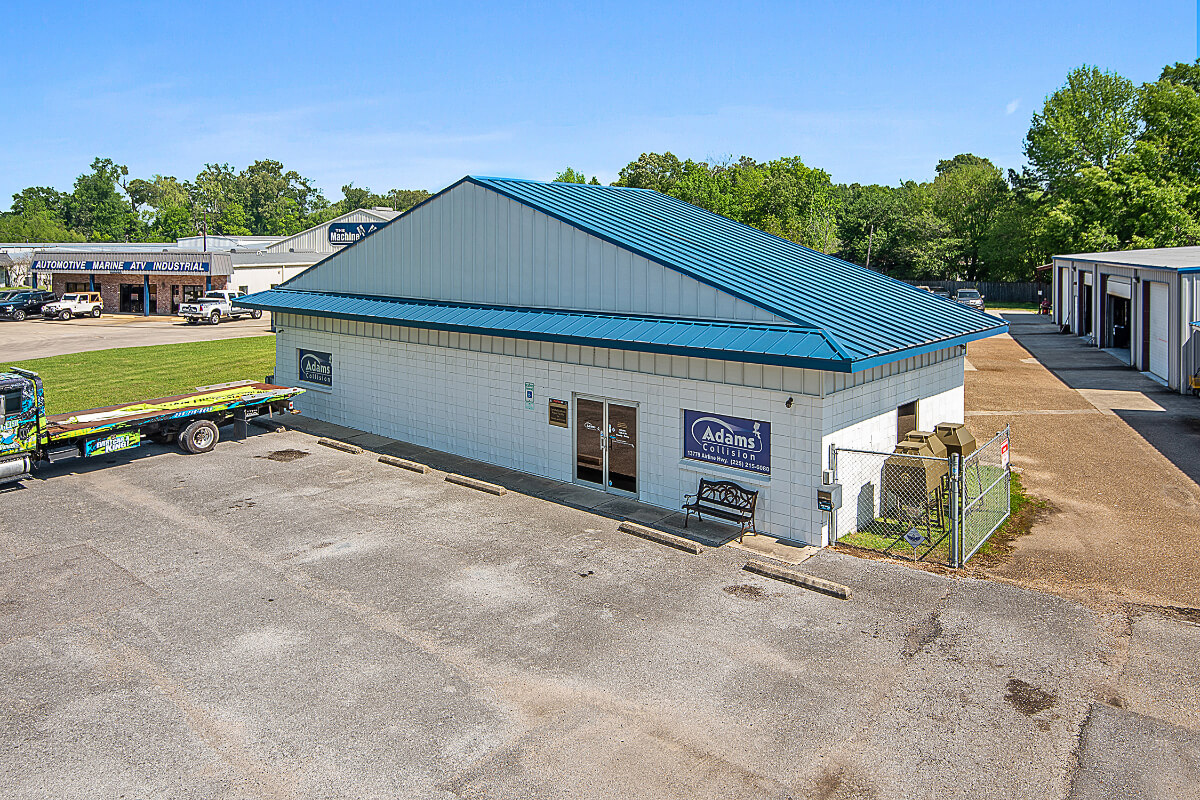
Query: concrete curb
column 345, row 448
column 268, row 424
column 678, row 542
column 799, row 579
column 472, row 483
column 404, row 464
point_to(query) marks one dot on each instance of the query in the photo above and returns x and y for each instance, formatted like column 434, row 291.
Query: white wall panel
column 474, row 245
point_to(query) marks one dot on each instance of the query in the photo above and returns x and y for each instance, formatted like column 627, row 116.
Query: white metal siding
column 474, row 245
column 316, row 240
column 465, row 395
column 1160, row 326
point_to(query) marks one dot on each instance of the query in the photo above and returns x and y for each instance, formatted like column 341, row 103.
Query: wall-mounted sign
column 727, row 441
column 316, row 367
column 342, row 233
column 558, row 413
column 529, row 396
column 66, row 265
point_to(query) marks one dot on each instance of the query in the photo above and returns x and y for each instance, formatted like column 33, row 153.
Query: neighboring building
column 1136, row 305
column 246, row 263
column 135, row 282
column 286, row 258
column 620, row 339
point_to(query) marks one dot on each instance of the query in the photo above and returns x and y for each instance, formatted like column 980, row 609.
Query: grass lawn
column 108, row 377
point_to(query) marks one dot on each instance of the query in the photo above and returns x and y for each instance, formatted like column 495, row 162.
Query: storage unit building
column 619, row 339
column 1136, row 305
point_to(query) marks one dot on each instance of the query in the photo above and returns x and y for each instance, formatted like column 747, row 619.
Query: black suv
column 20, row 304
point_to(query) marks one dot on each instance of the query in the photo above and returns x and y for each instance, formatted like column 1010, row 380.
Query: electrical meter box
column 829, row 497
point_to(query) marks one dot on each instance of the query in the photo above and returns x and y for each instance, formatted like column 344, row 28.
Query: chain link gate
column 931, row 509
column 985, row 497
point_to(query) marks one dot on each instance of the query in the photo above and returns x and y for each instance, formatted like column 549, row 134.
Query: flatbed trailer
column 29, row 436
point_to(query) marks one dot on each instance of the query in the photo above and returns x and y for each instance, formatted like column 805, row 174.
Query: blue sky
column 416, row 95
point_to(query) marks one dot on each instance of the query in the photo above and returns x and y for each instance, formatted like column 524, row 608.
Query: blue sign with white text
column 68, row 265
column 350, row 232
column 316, row 367
column 727, row 441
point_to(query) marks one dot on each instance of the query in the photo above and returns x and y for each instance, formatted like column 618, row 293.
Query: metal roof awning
column 783, row 345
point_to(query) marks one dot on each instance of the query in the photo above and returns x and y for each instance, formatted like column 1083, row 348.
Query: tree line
column 106, row 205
column 1110, row 166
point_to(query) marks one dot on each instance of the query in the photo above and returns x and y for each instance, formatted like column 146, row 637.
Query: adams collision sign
column 727, row 441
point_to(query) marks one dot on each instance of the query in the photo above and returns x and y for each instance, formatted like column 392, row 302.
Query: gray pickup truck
column 214, row 306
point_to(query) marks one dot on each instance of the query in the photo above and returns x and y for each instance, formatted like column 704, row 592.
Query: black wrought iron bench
column 723, row 500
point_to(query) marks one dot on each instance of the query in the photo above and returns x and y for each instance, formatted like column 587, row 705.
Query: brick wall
column 109, row 287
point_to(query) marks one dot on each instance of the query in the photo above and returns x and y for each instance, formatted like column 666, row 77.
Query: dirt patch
column 746, row 592
column 285, row 455
column 1027, row 698
column 922, row 635
column 1184, row 613
column 839, row 785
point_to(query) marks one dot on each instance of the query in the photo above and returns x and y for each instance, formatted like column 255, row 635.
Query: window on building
column 72, row 286
column 243, row 290
column 906, row 420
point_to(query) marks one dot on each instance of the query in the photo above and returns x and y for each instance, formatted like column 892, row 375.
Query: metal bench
column 723, row 500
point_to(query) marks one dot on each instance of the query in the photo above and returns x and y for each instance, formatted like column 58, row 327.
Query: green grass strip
column 107, row 377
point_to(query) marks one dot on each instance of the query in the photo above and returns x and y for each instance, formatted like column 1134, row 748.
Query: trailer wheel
column 199, row 437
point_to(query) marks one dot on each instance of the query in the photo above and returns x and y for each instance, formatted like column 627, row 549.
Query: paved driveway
column 36, row 338
column 277, row 619
column 1115, row 454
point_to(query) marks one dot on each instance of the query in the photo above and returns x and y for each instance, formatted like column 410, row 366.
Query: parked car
column 940, row 292
column 970, row 297
column 215, row 306
column 74, row 304
column 20, row 304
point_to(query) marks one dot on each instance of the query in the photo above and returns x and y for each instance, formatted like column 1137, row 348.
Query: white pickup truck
column 214, row 306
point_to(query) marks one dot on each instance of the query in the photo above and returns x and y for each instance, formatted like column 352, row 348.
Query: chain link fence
column 939, row 510
column 986, row 495
column 895, row 504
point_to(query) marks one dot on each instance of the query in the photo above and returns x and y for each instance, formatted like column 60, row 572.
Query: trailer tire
column 199, row 437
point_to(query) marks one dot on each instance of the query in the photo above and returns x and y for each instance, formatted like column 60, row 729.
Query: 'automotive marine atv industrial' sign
column 727, row 441
column 316, row 367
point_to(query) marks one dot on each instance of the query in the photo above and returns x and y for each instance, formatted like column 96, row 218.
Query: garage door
column 1160, row 319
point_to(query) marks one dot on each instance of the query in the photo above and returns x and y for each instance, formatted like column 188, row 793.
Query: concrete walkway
column 1115, row 454
column 705, row 532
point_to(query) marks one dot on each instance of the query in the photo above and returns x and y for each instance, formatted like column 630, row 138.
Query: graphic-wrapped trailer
column 29, row 436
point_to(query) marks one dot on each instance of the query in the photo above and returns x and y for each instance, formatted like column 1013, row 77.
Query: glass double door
column 606, row 444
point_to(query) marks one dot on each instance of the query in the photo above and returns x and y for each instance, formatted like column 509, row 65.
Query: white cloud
column 1012, row 107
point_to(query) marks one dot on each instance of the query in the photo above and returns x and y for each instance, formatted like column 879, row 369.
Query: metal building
column 619, row 339
column 1136, row 305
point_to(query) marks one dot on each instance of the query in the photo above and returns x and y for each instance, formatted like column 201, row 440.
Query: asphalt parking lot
column 38, row 338
column 277, row 619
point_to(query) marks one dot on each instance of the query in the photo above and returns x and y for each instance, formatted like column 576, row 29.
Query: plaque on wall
column 558, row 413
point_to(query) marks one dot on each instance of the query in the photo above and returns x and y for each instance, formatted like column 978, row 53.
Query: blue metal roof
column 867, row 315
column 784, row 345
